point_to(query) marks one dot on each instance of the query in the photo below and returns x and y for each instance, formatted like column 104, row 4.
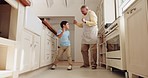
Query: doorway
column 55, row 22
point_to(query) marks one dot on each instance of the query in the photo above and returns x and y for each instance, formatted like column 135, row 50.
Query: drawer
column 114, row 63
column 112, row 34
column 48, row 57
column 113, row 54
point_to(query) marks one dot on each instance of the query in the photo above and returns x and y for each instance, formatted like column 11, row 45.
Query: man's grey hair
column 84, row 6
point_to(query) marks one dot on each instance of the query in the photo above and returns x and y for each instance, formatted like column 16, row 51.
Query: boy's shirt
column 64, row 40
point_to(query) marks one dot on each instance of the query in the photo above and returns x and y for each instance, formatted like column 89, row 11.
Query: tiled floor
column 77, row 72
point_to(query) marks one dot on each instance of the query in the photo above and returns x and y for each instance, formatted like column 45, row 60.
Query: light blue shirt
column 64, row 40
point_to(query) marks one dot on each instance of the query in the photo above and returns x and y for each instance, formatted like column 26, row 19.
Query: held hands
column 75, row 22
column 83, row 20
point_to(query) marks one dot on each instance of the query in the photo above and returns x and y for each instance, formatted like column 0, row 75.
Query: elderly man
column 89, row 36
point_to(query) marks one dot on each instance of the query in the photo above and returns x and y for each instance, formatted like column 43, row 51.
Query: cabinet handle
column 34, row 46
column 128, row 12
column 30, row 45
column 134, row 9
column 131, row 11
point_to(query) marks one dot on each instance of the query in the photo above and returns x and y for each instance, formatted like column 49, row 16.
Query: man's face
column 84, row 11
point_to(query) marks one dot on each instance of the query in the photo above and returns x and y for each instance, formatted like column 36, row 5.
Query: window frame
column 123, row 6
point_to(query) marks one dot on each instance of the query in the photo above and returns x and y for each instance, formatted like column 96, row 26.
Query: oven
column 113, row 37
column 115, row 44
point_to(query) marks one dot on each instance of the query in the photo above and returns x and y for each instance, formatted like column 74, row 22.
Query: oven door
column 113, row 40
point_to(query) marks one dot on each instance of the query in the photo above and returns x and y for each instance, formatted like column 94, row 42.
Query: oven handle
column 115, row 28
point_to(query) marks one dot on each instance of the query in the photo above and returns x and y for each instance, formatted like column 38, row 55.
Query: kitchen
column 28, row 42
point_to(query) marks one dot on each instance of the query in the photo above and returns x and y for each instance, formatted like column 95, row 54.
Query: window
column 123, row 5
column 121, row 2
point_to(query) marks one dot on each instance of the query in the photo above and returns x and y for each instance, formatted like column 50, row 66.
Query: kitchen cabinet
column 36, row 52
column 136, row 18
column 115, row 43
column 8, row 21
column 30, row 51
column 26, row 53
column 32, row 22
column 102, row 48
column 106, row 15
column 48, row 47
column 7, row 48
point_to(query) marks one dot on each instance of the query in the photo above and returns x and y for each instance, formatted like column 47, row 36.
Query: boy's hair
column 63, row 23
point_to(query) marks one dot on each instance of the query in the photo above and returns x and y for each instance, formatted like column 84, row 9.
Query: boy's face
column 66, row 26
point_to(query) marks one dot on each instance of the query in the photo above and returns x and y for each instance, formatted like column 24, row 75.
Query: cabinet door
column 48, row 49
column 137, row 38
column 42, row 55
column 26, row 52
column 35, row 52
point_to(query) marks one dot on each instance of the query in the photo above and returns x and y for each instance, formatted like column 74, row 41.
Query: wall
column 59, row 9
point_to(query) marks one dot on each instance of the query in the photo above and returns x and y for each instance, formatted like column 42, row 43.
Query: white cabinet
column 30, row 51
column 106, row 15
column 26, row 52
column 7, row 55
column 136, row 17
column 8, row 21
column 36, row 52
column 48, row 46
column 32, row 22
column 115, row 40
column 45, row 47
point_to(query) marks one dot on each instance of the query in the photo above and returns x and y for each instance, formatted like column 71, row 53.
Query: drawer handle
column 131, row 11
column 134, row 9
column 31, row 45
column 34, row 46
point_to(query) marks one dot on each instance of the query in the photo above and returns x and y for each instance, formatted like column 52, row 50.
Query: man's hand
column 83, row 20
column 75, row 22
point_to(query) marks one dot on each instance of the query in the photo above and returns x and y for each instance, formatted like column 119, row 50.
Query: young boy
column 63, row 35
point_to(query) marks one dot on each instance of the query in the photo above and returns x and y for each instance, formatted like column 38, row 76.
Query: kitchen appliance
column 115, row 44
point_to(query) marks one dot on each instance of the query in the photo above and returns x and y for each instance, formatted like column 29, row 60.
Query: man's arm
column 93, row 19
column 78, row 24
